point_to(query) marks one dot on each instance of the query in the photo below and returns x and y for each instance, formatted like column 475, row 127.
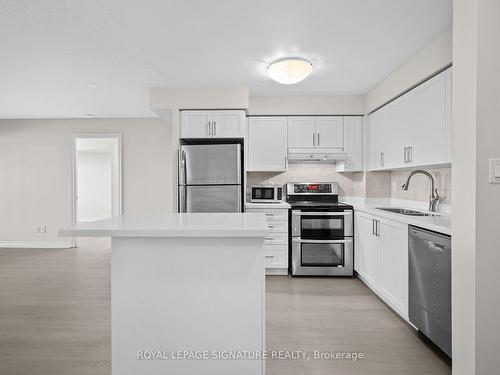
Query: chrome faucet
column 434, row 196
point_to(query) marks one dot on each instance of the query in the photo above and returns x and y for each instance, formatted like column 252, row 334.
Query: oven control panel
column 311, row 188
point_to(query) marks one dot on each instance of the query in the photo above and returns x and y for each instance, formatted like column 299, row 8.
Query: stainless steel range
column 321, row 230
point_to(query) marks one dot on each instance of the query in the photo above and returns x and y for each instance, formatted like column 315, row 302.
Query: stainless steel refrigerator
column 210, row 178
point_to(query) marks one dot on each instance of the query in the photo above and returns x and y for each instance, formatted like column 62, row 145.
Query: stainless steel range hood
column 315, row 155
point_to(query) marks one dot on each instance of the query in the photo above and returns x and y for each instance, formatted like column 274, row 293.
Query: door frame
column 74, row 137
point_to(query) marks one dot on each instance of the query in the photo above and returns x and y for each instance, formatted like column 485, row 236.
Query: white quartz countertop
column 174, row 225
column 283, row 205
column 439, row 223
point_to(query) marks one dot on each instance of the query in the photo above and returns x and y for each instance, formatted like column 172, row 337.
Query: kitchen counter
column 284, row 205
column 174, row 225
column 184, row 283
column 441, row 223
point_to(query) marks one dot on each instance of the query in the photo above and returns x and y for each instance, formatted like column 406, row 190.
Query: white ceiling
column 71, row 58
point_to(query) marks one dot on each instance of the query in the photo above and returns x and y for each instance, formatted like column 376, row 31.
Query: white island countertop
column 174, row 225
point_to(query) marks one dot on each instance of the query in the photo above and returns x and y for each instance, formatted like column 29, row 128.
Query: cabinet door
column 376, row 139
column 366, row 249
column 267, row 143
column 228, row 124
column 429, row 145
column 398, row 130
column 353, row 135
column 330, row 132
column 393, row 277
column 195, row 124
column 448, row 116
column 301, row 132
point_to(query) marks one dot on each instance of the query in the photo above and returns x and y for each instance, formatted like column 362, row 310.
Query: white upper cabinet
column 415, row 129
column 429, row 146
column 301, row 132
column 330, row 132
column 267, row 144
column 399, row 124
column 228, row 124
column 376, row 133
column 196, row 124
column 319, row 132
column 212, row 124
column 353, row 145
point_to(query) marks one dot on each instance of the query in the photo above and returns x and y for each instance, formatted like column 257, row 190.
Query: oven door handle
column 299, row 240
column 301, row 213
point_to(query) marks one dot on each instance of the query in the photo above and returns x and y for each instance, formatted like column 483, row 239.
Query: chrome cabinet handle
column 373, row 227
column 314, row 140
column 215, row 128
column 377, row 228
column 410, row 154
column 268, row 256
column 209, row 128
column 317, row 136
column 382, row 157
column 299, row 240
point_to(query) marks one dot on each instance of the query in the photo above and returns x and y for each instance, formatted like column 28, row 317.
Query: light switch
column 494, row 171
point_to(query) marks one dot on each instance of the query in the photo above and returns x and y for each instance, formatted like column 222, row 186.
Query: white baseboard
column 35, row 245
column 277, row 271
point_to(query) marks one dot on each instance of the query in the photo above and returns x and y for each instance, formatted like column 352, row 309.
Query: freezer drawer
column 210, row 164
column 430, row 285
column 210, row 198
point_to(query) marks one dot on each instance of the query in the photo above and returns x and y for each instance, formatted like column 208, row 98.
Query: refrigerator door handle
column 182, row 199
column 182, row 167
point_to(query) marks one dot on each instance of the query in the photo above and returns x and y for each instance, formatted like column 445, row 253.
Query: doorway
column 97, row 187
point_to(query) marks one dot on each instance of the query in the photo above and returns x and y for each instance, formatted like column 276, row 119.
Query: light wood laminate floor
column 55, row 319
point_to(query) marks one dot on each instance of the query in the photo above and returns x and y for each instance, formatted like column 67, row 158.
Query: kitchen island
column 187, row 292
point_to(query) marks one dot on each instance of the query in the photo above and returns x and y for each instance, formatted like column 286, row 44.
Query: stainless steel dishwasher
column 430, row 285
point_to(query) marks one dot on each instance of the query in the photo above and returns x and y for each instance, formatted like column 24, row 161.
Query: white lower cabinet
column 381, row 258
column 276, row 242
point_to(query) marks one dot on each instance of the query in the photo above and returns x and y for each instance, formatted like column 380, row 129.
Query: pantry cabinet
column 267, row 144
column 381, row 258
column 212, row 124
column 414, row 129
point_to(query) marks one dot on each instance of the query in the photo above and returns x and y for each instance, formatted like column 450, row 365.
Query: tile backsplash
column 315, row 172
column 362, row 184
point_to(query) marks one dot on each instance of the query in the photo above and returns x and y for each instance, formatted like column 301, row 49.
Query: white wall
column 35, row 172
column 476, row 138
column 307, row 105
column 429, row 60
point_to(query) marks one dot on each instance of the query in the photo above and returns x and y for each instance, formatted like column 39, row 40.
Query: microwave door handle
column 299, row 240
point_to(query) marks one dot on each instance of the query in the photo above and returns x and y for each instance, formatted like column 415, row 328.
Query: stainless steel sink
column 406, row 211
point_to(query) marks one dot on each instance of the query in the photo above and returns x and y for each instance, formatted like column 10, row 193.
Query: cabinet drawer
column 271, row 214
column 276, row 239
column 276, row 256
column 278, row 226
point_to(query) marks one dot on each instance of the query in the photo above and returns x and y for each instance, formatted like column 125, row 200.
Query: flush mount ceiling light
column 289, row 70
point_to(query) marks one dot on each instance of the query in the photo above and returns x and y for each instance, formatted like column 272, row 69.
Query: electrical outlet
column 40, row 228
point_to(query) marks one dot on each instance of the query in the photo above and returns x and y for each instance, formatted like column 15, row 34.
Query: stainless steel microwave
column 266, row 194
